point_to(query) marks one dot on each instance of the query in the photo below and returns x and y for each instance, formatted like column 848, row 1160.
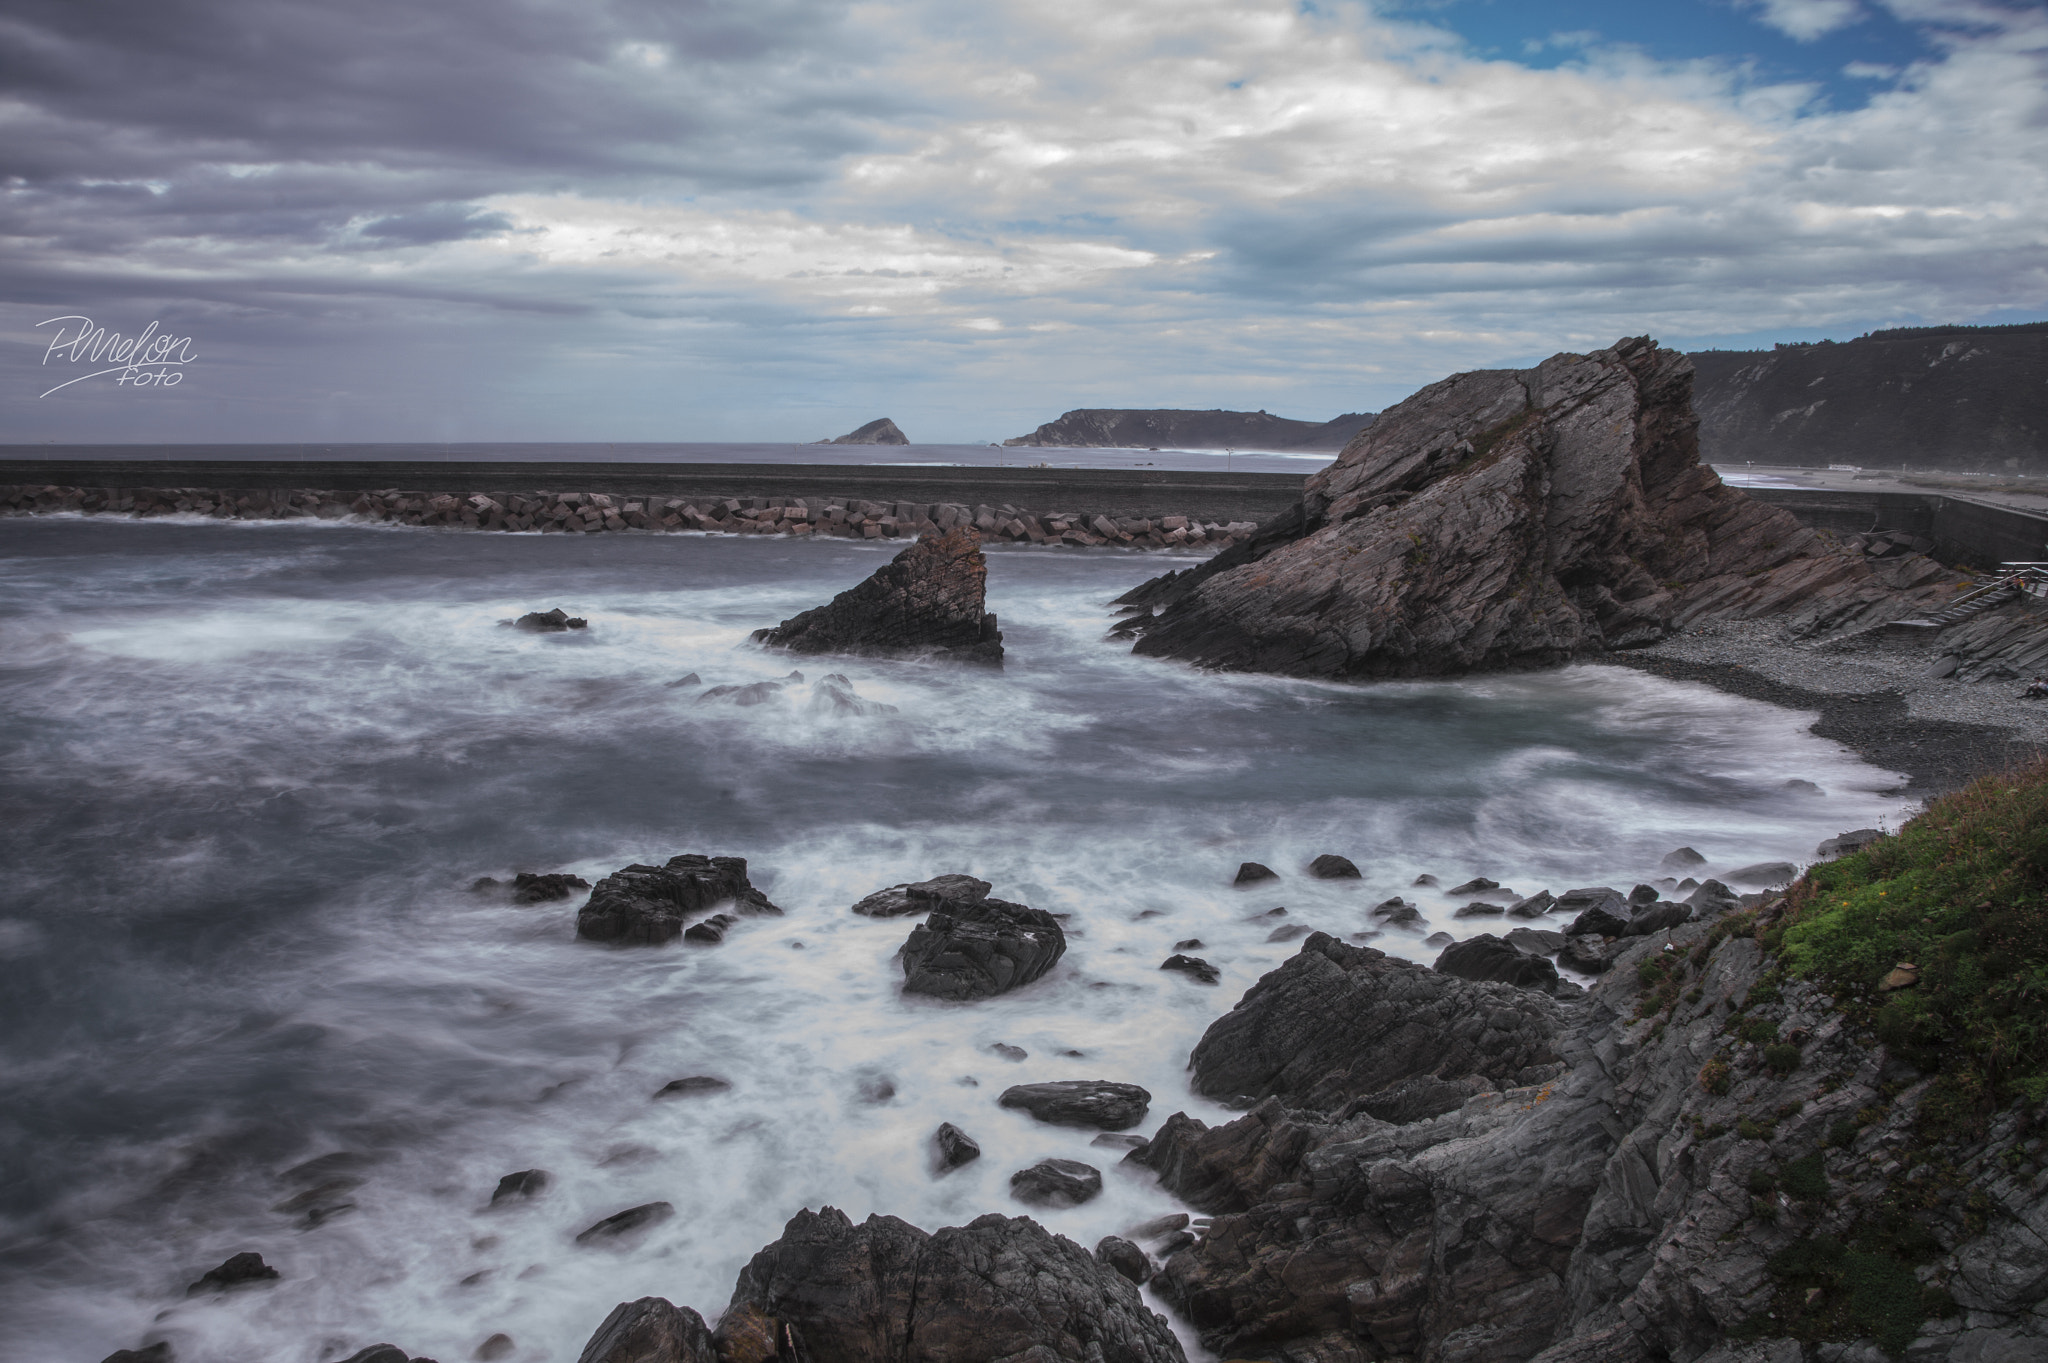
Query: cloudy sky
column 772, row 220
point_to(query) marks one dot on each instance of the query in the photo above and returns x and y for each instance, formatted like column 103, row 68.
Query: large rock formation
column 1122, row 428
column 1507, row 518
column 998, row 1288
column 1718, row 1155
column 980, row 948
column 926, row 602
column 880, row 431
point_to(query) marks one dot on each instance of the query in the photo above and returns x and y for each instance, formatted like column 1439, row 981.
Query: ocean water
column 251, row 770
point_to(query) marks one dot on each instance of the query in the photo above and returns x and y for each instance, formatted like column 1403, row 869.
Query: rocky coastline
column 592, row 513
column 1683, row 1152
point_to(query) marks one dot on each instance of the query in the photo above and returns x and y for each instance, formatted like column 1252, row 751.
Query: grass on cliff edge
column 1962, row 893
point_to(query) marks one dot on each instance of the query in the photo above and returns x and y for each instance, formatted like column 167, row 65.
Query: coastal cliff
column 1514, row 518
column 1175, row 428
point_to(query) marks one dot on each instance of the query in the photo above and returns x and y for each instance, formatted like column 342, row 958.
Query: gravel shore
column 1872, row 694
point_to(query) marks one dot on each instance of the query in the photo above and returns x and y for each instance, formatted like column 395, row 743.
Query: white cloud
column 1806, row 20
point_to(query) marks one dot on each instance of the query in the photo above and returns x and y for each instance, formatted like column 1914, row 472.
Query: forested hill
column 1931, row 397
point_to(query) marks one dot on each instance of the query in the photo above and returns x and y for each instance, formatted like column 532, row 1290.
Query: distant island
column 1950, row 397
column 880, row 431
column 1178, row 428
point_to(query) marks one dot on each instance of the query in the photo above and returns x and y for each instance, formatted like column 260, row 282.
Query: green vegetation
column 1862, row 1290
column 1961, row 893
column 1804, row 1177
column 1782, row 1058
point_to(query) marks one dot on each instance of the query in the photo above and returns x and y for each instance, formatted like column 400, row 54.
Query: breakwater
column 1135, row 512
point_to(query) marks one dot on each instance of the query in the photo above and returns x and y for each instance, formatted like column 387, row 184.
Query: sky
column 674, row 220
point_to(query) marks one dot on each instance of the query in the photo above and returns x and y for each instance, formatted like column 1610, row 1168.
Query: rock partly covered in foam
column 980, row 949
column 1507, row 518
column 922, row 896
column 1099, row 1103
column 644, row 905
column 885, row 1291
column 928, row 601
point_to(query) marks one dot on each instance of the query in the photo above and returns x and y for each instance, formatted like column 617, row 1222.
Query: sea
column 249, row 1000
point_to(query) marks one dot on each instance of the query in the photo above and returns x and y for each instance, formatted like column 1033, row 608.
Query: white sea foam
column 255, row 777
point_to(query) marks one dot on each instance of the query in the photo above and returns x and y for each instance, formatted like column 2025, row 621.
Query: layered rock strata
column 1512, row 518
column 929, row 601
column 592, row 513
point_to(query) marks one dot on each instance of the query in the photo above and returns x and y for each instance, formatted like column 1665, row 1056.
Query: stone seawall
column 600, row 512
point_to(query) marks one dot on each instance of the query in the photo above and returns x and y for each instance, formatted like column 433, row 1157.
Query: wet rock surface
column 954, row 1147
column 1512, row 518
column 1099, row 1103
column 650, row 1330
column 1487, row 957
column 1056, row 1183
column 980, row 949
column 236, row 1270
column 922, row 896
column 1194, row 967
column 552, row 621
column 884, row 1292
column 929, row 601
column 622, row 1225
column 523, row 1186
column 645, row 905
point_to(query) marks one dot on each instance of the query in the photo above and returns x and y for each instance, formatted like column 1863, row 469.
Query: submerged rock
column 922, row 896
column 980, row 949
column 1192, row 966
column 521, row 1187
column 926, row 602
column 550, row 621
column 885, row 1291
column 1510, row 518
column 1056, row 1183
column 644, row 905
column 753, row 693
column 1330, row 866
column 694, row 1086
column 833, row 694
column 650, row 1330
column 529, row 888
column 1251, row 873
column 625, row 1223
column 246, row 1267
column 1098, row 1103
column 954, row 1147
column 1125, row 1257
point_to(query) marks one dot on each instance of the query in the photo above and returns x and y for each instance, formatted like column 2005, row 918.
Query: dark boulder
column 1684, row 859
column 1535, row 906
column 1474, row 886
column 954, row 1147
column 1112, row 1140
column 922, row 896
column 1478, row 909
column 1008, row 1052
column 382, row 1353
column 978, row 950
column 520, row 1187
column 1487, row 957
column 1125, row 1257
column 1251, row 873
column 159, row 1352
column 1330, row 866
column 687, row 679
column 548, row 622
column 1056, row 1183
column 1657, row 917
column 997, row 1288
column 1641, row 895
column 236, row 1269
column 1397, row 911
column 1538, row 941
column 1188, row 944
column 529, row 888
column 1096, row 1103
column 1764, row 873
column 625, row 1223
column 693, row 1086
column 644, row 905
column 650, row 1330
column 1600, row 910
column 1711, row 897
column 1339, row 1021
column 1588, row 955
column 1194, row 967
column 1425, row 879
column 928, row 601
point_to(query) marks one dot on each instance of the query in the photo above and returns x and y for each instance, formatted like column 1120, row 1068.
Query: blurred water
column 250, row 771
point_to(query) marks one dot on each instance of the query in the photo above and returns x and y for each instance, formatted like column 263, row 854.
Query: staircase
column 2013, row 580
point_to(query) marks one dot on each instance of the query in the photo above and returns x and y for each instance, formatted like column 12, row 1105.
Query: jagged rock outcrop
column 1720, row 1155
column 650, row 1330
column 644, row 905
column 880, row 431
column 1125, row 428
column 999, row 1288
column 926, row 602
column 1510, row 518
column 980, row 948
column 922, row 896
